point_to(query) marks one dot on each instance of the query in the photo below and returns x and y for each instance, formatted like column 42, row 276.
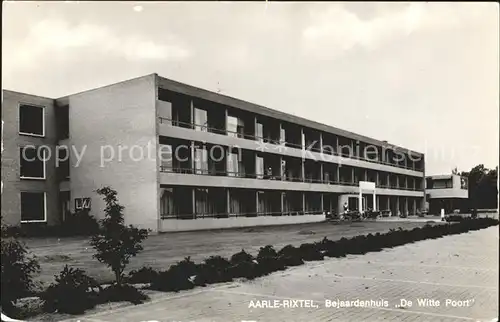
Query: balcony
column 285, row 141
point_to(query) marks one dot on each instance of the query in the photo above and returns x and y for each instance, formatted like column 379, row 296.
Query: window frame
column 44, row 164
column 19, row 121
column 44, row 207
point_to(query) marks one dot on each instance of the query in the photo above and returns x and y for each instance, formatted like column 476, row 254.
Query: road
column 459, row 271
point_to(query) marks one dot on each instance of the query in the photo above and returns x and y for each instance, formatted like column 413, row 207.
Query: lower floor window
column 32, row 206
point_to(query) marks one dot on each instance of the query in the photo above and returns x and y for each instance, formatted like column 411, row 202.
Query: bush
column 268, row 261
column 215, row 269
column 291, row 256
column 246, row 269
column 72, row 293
column 310, row 252
column 267, row 252
column 143, row 275
column 122, row 293
column 177, row 278
column 18, row 268
column 241, row 257
column 80, row 224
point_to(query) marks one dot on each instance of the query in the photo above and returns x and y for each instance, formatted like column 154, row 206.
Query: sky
column 424, row 76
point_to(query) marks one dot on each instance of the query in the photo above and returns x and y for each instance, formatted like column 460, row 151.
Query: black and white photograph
column 254, row 161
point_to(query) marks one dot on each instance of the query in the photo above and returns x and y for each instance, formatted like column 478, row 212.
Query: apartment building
column 449, row 192
column 184, row 158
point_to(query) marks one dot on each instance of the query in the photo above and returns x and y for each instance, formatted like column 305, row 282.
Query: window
column 235, row 127
column 32, row 162
column 259, row 131
column 31, row 120
column 200, row 120
column 201, row 161
column 33, row 207
column 232, row 165
column 166, row 157
column 260, row 167
column 165, row 112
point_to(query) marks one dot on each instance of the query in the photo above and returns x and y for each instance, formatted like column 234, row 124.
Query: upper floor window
column 32, row 120
column 200, row 120
column 165, row 112
column 32, row 162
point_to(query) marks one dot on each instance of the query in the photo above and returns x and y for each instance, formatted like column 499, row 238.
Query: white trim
column 19, row 120
column 44, row 208
column 44, row 164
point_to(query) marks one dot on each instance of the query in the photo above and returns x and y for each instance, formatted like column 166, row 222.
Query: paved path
column 455, row 268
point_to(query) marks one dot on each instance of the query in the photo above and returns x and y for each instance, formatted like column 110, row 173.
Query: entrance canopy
column 367, row 186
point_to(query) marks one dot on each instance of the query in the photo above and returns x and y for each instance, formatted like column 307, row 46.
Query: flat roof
column 201, row 93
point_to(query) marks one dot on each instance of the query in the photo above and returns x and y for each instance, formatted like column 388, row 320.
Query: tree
column 454, row 171
column 116, row 243
column 482, row 186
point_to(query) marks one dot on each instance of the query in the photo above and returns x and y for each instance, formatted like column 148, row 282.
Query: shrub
column 172, row 280
column 268, row 261
column 80, row 224
column 73, row 292
column 18, row 268
column 245, row 269
column 143, row 275
column 121, row 293
column 215, row 269
column 116, row 243
column 291, row 256
column 241, row 257
column 178, row 277
column 310, row 252
column 267, row 252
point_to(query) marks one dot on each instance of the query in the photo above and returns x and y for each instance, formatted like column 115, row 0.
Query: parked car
column 386, row 213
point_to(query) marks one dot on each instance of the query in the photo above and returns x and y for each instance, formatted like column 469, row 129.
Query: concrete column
column 322, row 205
column 406, row 182
column 192, row 113
column 377, row 178
column 360, row 201
column 303, row 202
column 192, row 156
column 414, row 205
column 366, row 175
column 321, row 171
column 397, row 181
column 193, row 196
column 397, row 205
column 225, row 119
column 303, row 171
column 338, row 173
column 406, row 205
column 377, row 205
column 337, row 144
column 257, row 202
column 352, row 176
column 374, row 201
column 388, row 179
column 302, row 140
column 321, row 142
column 228, row 201
column 282, row 202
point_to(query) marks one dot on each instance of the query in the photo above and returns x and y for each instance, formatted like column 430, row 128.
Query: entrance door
column 64, row 200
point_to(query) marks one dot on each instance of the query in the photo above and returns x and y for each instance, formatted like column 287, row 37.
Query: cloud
column 338, row 29
column 58, row 37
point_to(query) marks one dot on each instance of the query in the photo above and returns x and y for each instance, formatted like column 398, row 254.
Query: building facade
column 184, row 158
column 448, row 192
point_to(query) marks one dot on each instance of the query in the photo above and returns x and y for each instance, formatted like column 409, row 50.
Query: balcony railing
column 259, row 176
column 209, row 129
column 242, row 214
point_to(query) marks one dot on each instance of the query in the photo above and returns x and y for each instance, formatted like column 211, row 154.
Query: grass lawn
column 162, row 250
